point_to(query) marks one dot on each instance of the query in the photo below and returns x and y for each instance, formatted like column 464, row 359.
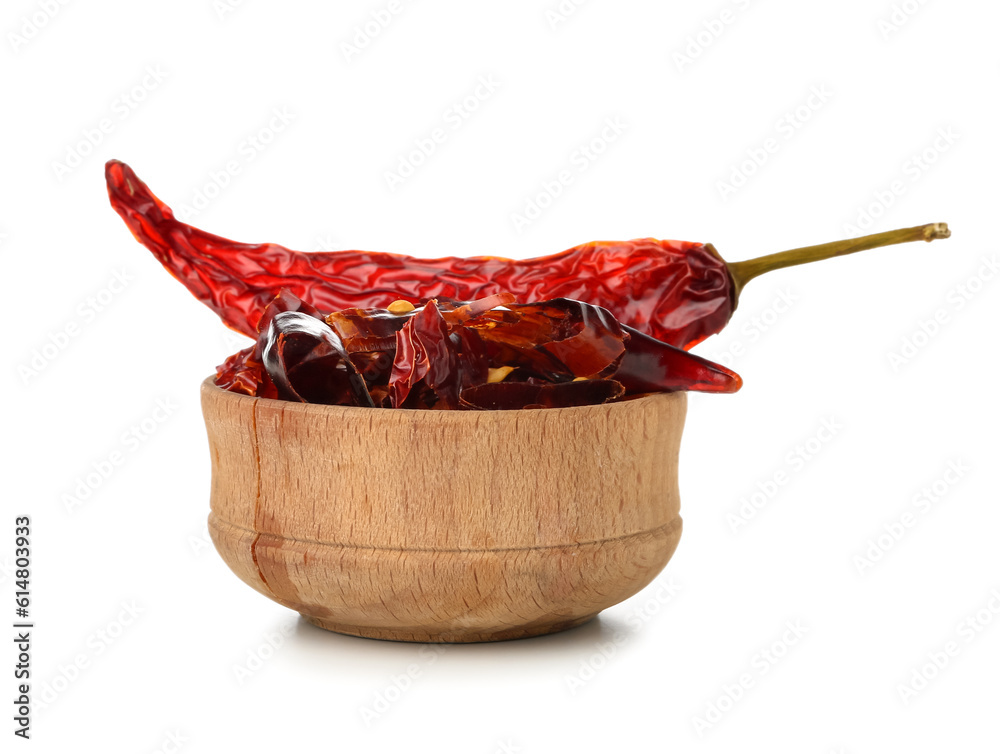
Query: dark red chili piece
column 504, row 396
column 306, row 361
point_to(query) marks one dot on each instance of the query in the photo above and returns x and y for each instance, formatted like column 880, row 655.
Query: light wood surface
column 444, row 526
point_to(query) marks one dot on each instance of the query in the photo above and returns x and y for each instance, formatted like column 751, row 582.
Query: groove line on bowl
column 665, row 528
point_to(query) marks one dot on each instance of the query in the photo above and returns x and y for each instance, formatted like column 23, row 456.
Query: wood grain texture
column 447, row 526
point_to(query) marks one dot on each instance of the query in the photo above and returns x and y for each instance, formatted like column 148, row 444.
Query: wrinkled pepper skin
column 676, row 291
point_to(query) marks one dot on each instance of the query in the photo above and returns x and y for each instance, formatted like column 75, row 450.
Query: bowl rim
column 208, row 384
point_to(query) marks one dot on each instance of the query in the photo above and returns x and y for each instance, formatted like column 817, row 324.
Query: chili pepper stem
column 744, row 272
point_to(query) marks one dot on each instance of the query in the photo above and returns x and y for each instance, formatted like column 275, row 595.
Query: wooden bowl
column 444, row 526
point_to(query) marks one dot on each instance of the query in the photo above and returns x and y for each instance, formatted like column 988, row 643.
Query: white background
column 196, row 665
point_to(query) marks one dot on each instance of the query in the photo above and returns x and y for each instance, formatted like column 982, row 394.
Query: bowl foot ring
column 458, row 636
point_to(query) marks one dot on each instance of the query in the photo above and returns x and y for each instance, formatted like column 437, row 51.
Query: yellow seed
column 580, row 379
column 400, row 307
column 499, row 374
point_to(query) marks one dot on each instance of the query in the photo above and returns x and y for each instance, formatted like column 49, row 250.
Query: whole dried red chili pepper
column 679, row 292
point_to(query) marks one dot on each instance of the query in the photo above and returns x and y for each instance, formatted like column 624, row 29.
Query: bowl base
column 463, row 636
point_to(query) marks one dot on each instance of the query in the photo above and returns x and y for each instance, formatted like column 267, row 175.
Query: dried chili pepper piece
column 556, row 339
column 368, row 330
column 676, row 291
column 307, row 362
column 649, row 365
column 506, row 396
column 369, row 337
column 244, row 372
column 443, row 359
column 423, row 352
column 459, row 313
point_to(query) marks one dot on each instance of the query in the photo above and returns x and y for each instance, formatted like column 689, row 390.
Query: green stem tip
column 744, row 272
